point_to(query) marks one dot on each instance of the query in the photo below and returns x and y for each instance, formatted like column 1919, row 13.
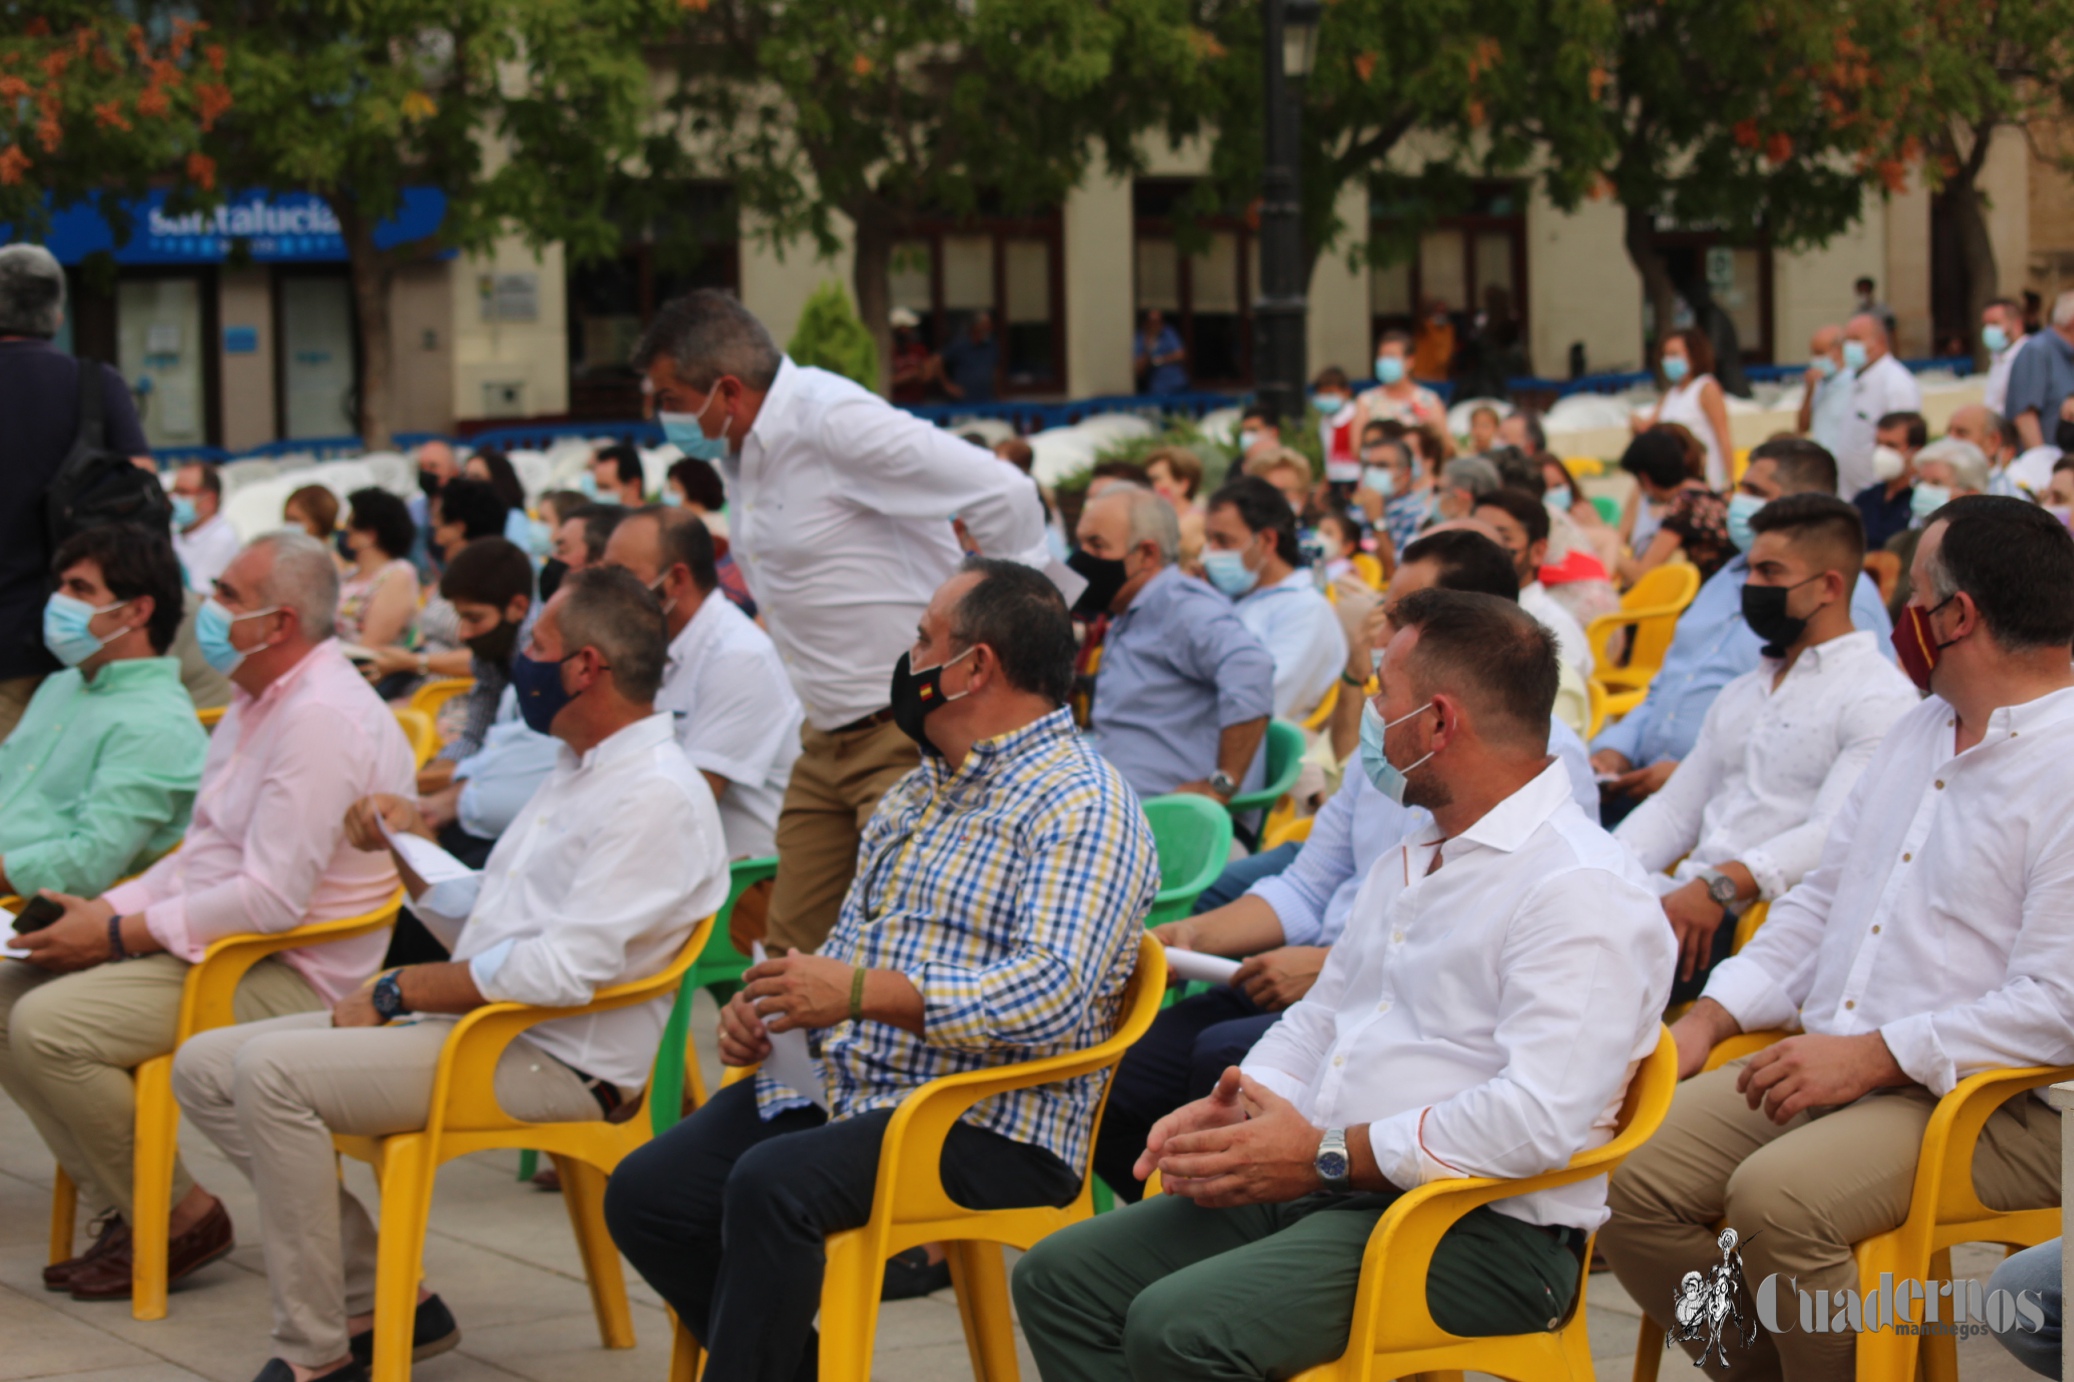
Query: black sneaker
column 277, row 1370
column 433, row 1331
column 910, row 1275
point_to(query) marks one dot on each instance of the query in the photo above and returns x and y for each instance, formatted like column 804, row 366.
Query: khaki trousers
column 68, row 1043
column 1799, row 1196
column 836, row 784
column 15, row 694
column 271, row 1094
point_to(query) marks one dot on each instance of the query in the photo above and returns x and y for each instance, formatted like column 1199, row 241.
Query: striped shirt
column 1011, row 893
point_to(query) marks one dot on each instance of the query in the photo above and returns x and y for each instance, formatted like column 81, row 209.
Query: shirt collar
column 279, row 687
column 1153, row 593
column 990, row 755
column 1850, row 647
column 130, row 672
column 772, row 414
column 637, row 738
column 1509, row 824
column 2012, row 721
column 1299, row 579
column 698, row 630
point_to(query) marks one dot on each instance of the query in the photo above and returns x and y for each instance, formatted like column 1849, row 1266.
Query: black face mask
column 916, row 694
column 2063, row 435
column 1764, row 610
column 551, row 572
column 1105, row 576
column 343, row 549
column 496, row 646
column 429, row 482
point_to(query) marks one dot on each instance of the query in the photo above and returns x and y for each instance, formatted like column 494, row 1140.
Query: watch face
column 1332, row 1165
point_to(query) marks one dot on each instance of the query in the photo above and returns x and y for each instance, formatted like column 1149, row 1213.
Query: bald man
column 1880, row 384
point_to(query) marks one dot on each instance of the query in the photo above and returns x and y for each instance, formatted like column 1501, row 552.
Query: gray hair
column 303, row 577
column 607, row 608
column 1473, row 473
column 32, row 291
column 1150, row 518
column 707, row 334
column 1969, row 466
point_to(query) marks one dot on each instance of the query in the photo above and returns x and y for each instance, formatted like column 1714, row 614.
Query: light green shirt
column 99, row 776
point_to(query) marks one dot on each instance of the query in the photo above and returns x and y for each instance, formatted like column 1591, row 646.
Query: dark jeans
column 1243, row 874
column 724, row 1215
column 1177, row 1061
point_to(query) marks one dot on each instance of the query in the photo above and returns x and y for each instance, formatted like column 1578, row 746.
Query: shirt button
column 1875, row 928
column 1339, row 1060
column 1397, row 938
column 1940, row 784
column 1850, row 1002
column 1906, row 857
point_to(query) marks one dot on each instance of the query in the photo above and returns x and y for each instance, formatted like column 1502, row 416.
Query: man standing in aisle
column 840, row 509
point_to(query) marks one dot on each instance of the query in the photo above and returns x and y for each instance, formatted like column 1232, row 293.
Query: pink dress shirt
column 267, row 849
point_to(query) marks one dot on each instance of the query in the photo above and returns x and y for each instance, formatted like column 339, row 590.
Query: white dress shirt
column 1571, row 643
column 736, row 718
column 1996, row 391
column 1771, row 768
column 1302, row 633
column 598, row 882
column 841, row 506
column 1483, row 1019
column 1882, row 387
column 206, row 551
column 1942, row 913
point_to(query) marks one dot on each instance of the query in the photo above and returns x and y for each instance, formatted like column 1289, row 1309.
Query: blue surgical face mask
column 1741, row 509
column 1994, row 338
column 1389, row 368
column 1676, row 367
column 1926, row 500
column 1329, row 403
column 672, row 499
column 1388, row 779
column 65, row 630
column 1854, row 356
column 212, row 634
column 1825, row 366
column 1380, row 479
column 1560, row 498
column 540, row 539
column 184, row 515
column 686, row 432
column 1229, row 573
column 587, row 484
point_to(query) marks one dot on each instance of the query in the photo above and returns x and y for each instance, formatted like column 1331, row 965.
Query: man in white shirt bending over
column 735, row 715
column 1934, row 940
column 598, row 883
column 1499, row 979
column 1744, row 816
column 839, row 514
column 1250, row 555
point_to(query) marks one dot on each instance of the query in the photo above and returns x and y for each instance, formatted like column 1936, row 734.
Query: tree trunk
column 871, row 279
column 1976, row 250
column 372, row 276
column 1662, row 294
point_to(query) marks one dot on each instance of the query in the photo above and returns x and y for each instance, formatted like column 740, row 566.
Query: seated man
column 1946, row 469
column 203, row 539
column 1500, row 978
column 1929, row 944
column 1745, row 815
column 99, row 776
column 616, row 477
column 618, row 857
column 304, row 738
column 1712, row 645
column 1523, row 525
column 1251, row 556
column 737, row 718
column 1182, row 698
column 1296, row 899
column 994, row 919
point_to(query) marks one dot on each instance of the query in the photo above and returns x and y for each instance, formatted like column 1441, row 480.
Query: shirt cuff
column 483, row 968
column 1401, row 1153
column 954, row 1006
column 1916, row 1049
column 1280, row 1081
column 451, row 900
column 1770, row 878
column 125, row 898
column 167, row 922
column 1750, row 995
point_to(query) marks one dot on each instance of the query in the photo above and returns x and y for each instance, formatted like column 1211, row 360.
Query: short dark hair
column 707, row 334
column 488, row 571
column 1468, row 561
column 1262, row 508
column 2016, row 561
column 626, row 462
column 1487, row 650
column 1803, row 466
column 473, row 505
column 1821, row 521
column 135, row 561
column 1918, row 430
column 1331, row 377
column 1525, row 509
column 1517, row 469
column 212, row 479
column 683, row 538
column 503, row 477
column 700, row 482
column 379, row 512
column 1261, row 413
column 1657, row 456
column 607, row 608
column 2005, row 428
column 598, row 522
column 1019, row 613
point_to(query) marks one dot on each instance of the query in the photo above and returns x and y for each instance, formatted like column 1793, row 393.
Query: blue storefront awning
column 277, row 227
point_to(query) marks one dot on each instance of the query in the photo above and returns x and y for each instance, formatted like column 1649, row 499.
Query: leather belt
column 872, row 721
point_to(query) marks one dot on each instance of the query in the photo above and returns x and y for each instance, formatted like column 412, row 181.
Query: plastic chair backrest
column 1369, row 569
column 210, row 715
column 437, row 692
column 1193, row 835
column 417, row 728
column 1608, row 507
column 1285, row 746
column 1320, row 717
column 718, row 963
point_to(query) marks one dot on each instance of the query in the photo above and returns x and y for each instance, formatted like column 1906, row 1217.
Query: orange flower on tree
column 13, row 164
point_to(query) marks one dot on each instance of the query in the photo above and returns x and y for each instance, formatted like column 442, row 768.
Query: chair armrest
column 1740, row 1045
column 208, row 997
column 1944, row 1171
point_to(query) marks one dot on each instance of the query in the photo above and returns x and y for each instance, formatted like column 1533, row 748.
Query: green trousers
column 1167, row 1290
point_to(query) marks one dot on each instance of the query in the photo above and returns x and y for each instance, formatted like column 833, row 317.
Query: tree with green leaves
column 519, row 111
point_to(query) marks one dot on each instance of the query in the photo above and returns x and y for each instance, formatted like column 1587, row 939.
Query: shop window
column 317, row 373
column 1201, row 273
column 163, row 325
column 1471, row 265
column 949, row 271
column 1707, row 266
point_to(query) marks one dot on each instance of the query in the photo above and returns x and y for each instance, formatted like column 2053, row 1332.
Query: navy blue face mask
column 541, row 694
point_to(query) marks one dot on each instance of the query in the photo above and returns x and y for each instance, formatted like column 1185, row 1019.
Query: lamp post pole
column 1279, row 372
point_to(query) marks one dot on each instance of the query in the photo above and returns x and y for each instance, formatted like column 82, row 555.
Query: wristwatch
column 1221, row 783
column 388, row 997
column 1720, row 887
column 1331, row 1163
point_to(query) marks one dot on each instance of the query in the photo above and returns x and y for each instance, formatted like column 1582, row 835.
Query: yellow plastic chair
column 1368, row 569
column 210, row 714
column 418, row 728
column 1651, row 608
column 1322, row 716
column 909, row 1206
column 206, row 1003
column 464, row 1117
column 1293, row 831
column 1599, row 701
column 1394, row 1334
column 1584, row 467
column 437, row 692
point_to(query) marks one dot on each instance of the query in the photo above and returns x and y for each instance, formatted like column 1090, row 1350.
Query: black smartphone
column 38, row 913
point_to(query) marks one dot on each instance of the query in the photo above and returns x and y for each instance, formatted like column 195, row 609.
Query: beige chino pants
column 68, row 1043
column 836, row 784
column 271, row 1094
column 1799, row 1196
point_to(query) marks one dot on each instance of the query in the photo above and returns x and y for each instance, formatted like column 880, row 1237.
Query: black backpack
column 94, row 485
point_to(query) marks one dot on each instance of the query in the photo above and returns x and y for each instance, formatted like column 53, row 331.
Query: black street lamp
column 1289, row 44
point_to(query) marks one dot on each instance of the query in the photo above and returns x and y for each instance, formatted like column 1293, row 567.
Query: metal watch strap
column 1332, row 1164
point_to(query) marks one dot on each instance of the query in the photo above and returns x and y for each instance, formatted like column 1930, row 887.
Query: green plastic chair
column 1608, row 507
column 1285, row 746
column 1193, row 834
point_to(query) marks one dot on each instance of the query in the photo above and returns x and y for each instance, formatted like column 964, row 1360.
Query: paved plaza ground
column 501, row 1254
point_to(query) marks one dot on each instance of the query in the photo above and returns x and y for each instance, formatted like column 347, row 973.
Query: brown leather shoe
column 109, row 1233
column 109, row 1279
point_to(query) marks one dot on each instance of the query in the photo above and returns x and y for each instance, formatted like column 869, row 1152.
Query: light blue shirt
column 1301, row 632
column 1713, row 646
column 1829, row 421
column 1177, row 667
column 498, row 780
column 1313, row 896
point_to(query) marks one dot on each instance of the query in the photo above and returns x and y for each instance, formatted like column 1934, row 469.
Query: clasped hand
column 1244, row 1144
column 75, row 941
column 783, row 995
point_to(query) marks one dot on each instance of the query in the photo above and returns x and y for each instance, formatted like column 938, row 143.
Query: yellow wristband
column 857, row 993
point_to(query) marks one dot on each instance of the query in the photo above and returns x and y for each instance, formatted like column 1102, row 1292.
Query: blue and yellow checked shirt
column 1011, row 893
